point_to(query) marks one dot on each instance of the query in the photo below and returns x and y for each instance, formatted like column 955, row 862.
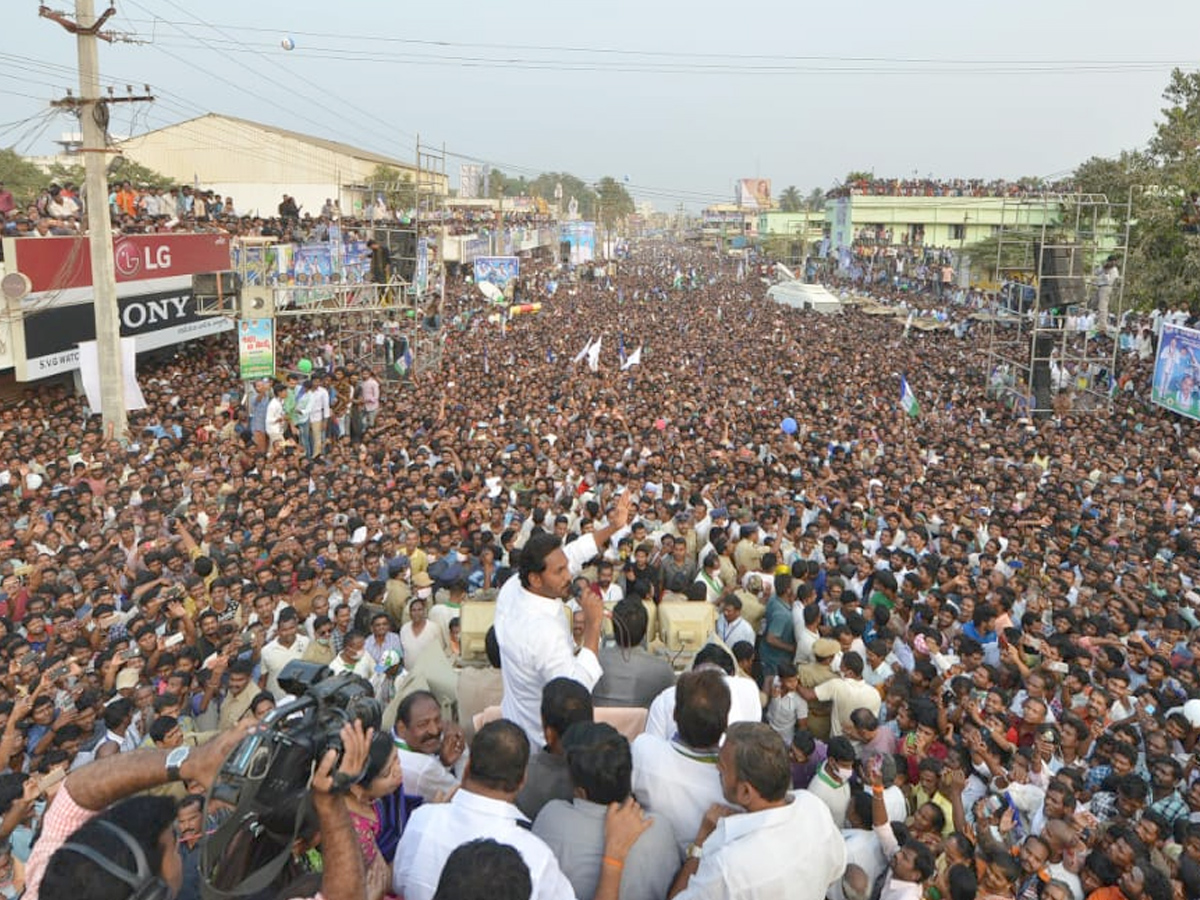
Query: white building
column 257, row 164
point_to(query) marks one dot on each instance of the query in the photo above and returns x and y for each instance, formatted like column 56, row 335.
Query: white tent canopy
column 805, row 296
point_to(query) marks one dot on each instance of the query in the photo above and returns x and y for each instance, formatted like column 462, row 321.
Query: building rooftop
column 323, row 143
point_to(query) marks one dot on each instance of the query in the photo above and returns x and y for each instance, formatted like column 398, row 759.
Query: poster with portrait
column 1177, row 371
column 256, row 348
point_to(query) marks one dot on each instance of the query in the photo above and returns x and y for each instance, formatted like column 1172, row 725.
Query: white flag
column 635, row 358
column 89, row 371
column 593, row 355
column 584, row 352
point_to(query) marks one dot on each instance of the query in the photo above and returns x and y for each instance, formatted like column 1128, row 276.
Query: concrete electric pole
column 93, row 112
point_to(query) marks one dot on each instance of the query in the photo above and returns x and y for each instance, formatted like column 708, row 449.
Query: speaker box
column 1061, row 277
column 216, row 284
column 401, row 246
column 257, row 302
column 1043, row 392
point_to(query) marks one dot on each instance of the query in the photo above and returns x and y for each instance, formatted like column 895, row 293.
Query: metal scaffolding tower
column 1045, row 334
column 394, row 314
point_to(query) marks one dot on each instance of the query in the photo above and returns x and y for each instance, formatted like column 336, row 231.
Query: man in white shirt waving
column 534, row 632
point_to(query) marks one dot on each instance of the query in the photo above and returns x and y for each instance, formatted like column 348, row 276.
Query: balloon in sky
column 788, row 425
column 287, row 43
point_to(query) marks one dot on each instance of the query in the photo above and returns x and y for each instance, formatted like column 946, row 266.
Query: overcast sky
column 683, row 98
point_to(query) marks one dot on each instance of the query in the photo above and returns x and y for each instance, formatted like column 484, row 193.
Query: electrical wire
column 343, row 104
column 643, row 62
column 676, row 54
column 649, row 67
column 339, row 112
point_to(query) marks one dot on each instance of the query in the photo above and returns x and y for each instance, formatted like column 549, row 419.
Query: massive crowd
column 139, row 209
column 938, row 656
column 951, row 187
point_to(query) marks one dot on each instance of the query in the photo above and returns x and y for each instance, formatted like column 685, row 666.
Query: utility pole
column 93, row 112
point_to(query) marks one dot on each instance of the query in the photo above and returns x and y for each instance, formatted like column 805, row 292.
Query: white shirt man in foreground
column 755, row 855
column 484, row 808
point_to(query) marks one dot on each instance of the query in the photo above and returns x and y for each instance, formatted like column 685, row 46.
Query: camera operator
column 100, row 842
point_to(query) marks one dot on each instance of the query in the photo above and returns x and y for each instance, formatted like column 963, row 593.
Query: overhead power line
column 360, row 39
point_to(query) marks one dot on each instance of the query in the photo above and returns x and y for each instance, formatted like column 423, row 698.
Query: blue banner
column 498, row 270
column 582, row 238
column 1177, row 371
column 422, row 277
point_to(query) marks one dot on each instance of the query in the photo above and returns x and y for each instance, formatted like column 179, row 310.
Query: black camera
column 265, row 779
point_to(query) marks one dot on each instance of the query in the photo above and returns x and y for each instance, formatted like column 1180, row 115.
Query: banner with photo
column 422, row 275
column 1177, row 371
column 256, row 348
column 497, row 270
column 470, row 181
column 754, row 193
column 581, row 236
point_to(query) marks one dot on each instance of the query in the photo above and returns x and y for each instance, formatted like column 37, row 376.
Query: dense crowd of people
column 941, row 655
column 59, row 210
column 949, row 187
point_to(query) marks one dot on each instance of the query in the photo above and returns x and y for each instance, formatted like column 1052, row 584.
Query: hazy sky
column 684, row 98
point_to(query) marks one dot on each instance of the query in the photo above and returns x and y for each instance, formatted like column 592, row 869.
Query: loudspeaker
column 258, row 302
column 401, row 248
column 1060, row 281
column 216, row 284
column 1043, row 392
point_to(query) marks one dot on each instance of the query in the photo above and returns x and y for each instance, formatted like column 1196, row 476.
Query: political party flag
column 584, row 352
column 594, row 355
column 908, row 399
column 635, row 359
column 404, row 363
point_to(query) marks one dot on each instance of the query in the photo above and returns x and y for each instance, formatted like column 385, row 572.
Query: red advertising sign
column 59, row 263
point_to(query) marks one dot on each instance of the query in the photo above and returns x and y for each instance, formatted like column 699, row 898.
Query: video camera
column 264, row 781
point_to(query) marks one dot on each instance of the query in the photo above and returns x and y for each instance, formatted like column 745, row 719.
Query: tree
column 545, row 184
column 22, row 177
column 500, row 185
column 122, row 168
column 815, row 201
column 1162, row 261
column 399, row 191
column 60, row 174
column 615, row 202
column 853, row 176
column 790, row 200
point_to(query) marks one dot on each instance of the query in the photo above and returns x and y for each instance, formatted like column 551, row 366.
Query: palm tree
column 790, row 200
column 815, row 200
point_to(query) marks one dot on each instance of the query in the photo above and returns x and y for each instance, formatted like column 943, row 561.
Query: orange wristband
column 615, row 863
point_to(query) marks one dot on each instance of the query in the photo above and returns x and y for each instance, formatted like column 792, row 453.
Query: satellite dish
column 16, row 286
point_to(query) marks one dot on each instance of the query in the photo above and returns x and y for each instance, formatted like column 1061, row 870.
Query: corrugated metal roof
column 323, row 143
